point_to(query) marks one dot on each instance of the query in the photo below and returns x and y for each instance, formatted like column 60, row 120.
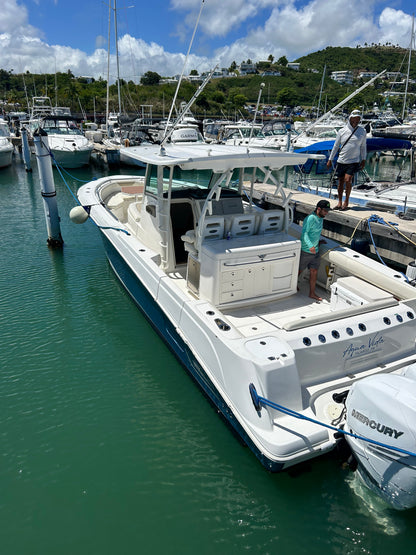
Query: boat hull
column 6, row 156
column 72, row 158
column 167, row 331
column 215, row 318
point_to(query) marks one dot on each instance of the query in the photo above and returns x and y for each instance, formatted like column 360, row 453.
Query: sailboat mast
column 118, row 65
column 108, row 67
column 412, row 36
column 320, row 92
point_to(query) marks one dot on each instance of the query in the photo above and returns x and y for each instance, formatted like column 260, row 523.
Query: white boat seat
column 243, row 224
column 271, row 221
column 213, row 227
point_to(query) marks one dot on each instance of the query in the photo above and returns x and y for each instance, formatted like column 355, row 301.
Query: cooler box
column 352, row 291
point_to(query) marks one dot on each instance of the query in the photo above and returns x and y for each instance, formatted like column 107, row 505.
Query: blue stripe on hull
column 168, row 332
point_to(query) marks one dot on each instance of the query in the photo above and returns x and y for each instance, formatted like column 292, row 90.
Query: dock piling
column 47, row 185
column 26, row 150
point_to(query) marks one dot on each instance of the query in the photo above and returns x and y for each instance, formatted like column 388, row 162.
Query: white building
column 367, row 74
column 246, row 69
column 293, row 65
column 344, row 77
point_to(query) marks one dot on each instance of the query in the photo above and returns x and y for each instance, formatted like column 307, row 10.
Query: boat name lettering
column 381, row 428
column 373, row 344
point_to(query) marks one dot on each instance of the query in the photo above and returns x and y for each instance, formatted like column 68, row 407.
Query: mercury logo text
column 381, row 428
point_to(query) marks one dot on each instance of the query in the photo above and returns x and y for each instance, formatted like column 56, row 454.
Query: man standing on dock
column 351, row 147
column 310, row 239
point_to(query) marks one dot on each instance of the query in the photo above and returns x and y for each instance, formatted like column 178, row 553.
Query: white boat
column 324, row 130
column 185, row 134
column 242, row 133
column 217, row 277
column 69, row 147
column 6, row 146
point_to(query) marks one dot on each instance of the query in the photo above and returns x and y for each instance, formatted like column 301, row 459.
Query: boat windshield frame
column 163, row 180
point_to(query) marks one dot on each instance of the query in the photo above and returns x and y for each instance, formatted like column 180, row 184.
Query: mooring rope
column 86, row 208
column 258, row 401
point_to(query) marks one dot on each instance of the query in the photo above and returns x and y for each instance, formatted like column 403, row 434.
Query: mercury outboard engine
column 382, row 408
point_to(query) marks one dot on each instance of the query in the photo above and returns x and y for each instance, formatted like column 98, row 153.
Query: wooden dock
column 394, row 237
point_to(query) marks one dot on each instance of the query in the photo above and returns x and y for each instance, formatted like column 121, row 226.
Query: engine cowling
column 382, row 408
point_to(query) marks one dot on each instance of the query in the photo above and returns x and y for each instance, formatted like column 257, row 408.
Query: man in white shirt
column 351, row 147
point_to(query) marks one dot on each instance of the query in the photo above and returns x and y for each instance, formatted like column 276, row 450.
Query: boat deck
column 268, row 316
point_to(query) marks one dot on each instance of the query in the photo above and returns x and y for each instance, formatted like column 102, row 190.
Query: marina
column 106, row 436
column 184, row 372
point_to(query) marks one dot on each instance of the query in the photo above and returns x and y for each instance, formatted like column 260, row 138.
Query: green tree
column 218, row 96
column 150, row 78
column 282, row 61
column 202, row 102
column 239, row 100
column 270, row 58
column 287, row 96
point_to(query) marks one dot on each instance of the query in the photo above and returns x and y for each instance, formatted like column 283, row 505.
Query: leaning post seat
column 271, row 221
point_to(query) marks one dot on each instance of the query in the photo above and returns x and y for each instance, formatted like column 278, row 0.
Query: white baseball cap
column 355, row 114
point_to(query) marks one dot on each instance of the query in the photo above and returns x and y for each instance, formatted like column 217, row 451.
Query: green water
column 108, row 446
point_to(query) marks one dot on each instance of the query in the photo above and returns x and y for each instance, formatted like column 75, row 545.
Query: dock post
column 26, row 150
column 47, row 186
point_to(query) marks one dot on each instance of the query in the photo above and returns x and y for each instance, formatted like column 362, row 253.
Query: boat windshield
column 194, row 182
column 60, row 127
column 242, row 132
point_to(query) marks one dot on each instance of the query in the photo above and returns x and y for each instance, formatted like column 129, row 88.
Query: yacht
column 68, row 145
column 217, row 276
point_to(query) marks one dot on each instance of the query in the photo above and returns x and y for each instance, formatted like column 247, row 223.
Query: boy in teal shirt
column 310, row 238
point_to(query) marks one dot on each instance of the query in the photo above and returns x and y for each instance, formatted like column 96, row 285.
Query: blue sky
column 41, row 35
column 166, row 23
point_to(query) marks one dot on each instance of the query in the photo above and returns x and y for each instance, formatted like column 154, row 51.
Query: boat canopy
column 374, row 144
column 218, row 158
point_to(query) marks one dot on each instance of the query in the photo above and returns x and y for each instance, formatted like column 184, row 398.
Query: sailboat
column 113, row 139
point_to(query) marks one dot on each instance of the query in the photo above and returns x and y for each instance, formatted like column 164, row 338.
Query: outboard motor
column 382, row 408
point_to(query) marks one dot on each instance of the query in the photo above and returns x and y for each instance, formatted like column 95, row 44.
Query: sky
column 44, row 36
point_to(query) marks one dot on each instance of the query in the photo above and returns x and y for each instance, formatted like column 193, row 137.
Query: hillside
column 224, row 96
column 371, row 58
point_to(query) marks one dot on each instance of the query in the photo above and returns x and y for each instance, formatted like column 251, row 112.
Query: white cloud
column 295, row 32
column 220, row 16
column 316, row 25
column 395, row 27
column 289, row 30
